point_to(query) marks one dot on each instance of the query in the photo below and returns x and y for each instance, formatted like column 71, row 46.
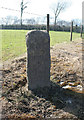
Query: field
column 62, row 100
column 13, row 41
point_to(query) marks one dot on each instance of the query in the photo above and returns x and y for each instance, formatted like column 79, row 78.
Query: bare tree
column 30, row 21
column 7, row 20
column 77, row 22
column 16, row 20
column 58, row 8
column 38, row 20
column 23, row 6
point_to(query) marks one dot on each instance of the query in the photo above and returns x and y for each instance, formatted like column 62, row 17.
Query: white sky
column 41, row 7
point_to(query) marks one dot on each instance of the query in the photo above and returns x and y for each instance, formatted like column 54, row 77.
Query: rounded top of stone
column 37, row 36
column 37, row 41
column 36, row 31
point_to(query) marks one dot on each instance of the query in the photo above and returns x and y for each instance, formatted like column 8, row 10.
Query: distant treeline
column 41, row 27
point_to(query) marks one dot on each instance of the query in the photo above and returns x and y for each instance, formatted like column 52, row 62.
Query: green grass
column 59, row 37
column 14, row 43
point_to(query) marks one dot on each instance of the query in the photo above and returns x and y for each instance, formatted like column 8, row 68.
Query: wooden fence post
column 71, row 30
column 81, row 30
column 48, row 23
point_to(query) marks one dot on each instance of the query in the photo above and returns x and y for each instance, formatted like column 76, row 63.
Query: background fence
column 13, row 32
column 36, row 21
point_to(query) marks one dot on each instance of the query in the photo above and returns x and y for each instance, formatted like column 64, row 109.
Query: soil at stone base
column 63, row 99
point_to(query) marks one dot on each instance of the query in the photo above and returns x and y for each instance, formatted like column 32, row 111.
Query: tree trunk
column 55, row 23
column 55, row 20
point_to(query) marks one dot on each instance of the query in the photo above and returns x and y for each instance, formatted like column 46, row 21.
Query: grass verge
column 14, row 43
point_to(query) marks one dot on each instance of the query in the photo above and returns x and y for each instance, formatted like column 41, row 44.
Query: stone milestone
column 38, row 59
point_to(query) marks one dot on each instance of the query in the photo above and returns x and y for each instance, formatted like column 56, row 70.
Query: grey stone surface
column 38, row 59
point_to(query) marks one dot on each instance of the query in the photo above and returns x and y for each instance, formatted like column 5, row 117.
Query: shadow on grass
column 65, row 99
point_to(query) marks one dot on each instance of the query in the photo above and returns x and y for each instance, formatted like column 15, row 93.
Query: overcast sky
column 41, row 7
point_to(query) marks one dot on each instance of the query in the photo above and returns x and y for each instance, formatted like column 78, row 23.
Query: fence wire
column 40, row 19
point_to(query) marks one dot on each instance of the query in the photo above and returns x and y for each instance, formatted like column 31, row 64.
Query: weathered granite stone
column 38, row 59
